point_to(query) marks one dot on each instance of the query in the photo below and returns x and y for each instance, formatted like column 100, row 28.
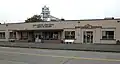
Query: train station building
column 103, row 31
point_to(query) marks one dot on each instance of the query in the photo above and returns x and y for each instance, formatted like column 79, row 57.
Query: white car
column 70, row 41
column 38, row 40
column 11, row 40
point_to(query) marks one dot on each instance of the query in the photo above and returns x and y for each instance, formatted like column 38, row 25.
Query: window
column 69, row 34
column 24, row 35
column 108, row 35
column 50, row 35
column 2, row 35
column 12, row 35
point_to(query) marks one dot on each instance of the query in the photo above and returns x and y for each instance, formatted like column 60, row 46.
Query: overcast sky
column 19, row 10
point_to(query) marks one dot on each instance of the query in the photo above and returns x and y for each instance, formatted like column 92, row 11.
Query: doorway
column 88, row 36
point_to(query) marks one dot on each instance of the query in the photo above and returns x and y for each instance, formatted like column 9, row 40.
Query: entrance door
column 88, row 37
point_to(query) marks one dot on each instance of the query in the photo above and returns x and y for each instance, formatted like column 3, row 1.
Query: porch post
column 7, row 35
column 59, row 37
column 98, row 35
column 17, row 36
column 63, row 34
column 78, row 35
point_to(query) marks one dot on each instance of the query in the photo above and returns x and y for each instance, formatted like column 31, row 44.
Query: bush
column 118, row 42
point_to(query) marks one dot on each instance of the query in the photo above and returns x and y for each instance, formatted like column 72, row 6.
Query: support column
column 7, row 35
column 17, row 36
column 63, row 35
column 78, row 35
column 29, row 35
column 117, row 32
column 59, row 37
column 97, row 36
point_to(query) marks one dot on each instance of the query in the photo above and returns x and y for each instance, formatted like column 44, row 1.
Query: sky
column 19, row 10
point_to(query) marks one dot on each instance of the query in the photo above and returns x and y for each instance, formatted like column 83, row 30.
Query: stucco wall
column 78, row 35
column 97, row 35
column 70, row 24
column 2, row 27
column 29, row 26
column 3, row 40
column 118, row 31
column 108, row 41
column 63, row 24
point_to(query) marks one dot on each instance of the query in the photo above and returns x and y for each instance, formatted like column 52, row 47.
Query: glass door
column 50, row 35
column 88, row 37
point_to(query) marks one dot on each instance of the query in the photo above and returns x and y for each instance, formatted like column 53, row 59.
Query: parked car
column 11, row 40
column 69, row 41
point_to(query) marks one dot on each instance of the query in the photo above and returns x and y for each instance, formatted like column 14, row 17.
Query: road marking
column 8, row 61
column 68, row 57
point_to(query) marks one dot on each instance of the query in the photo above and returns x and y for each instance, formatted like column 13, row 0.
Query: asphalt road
column 40, row 56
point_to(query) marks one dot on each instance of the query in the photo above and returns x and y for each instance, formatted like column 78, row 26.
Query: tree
column 35, row 18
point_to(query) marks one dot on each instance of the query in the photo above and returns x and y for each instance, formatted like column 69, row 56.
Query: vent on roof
column 109, row 18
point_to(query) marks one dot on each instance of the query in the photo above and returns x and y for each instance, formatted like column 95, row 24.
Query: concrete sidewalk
column 79, row 47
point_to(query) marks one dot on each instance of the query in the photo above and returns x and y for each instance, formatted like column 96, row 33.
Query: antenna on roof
column 46, row 14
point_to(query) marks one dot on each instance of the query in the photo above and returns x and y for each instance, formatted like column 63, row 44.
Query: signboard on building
column 43, row 25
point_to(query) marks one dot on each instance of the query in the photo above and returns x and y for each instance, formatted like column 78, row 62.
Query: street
column 43, row 56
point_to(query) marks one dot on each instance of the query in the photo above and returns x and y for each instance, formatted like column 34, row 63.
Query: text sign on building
column 43, row 25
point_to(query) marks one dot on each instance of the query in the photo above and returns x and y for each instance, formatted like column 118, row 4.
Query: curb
column 111, row 51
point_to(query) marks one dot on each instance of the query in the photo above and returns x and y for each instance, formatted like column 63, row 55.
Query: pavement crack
column 66, row 61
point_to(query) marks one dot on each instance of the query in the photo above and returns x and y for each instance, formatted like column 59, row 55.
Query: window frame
column 24, row 36
column 12, row 35
column 69, row 34
column 106, row 35
column 2, row 35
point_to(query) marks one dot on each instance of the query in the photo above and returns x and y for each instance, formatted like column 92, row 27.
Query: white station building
column 82, row 31
column 94, row 31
